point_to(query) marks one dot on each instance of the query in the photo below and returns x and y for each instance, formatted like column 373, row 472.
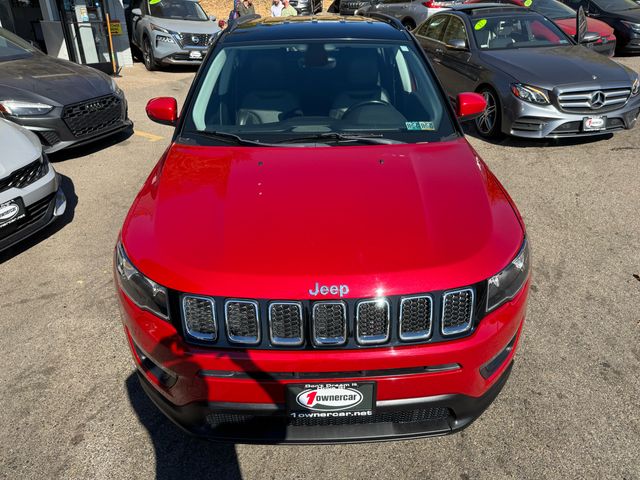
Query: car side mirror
column 590, row 37
column 212, row 18
column 457, row 44
column 469, row 106
column 163, row 110
column 136, row 12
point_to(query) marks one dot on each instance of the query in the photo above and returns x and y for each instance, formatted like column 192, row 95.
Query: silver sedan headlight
column 635, row 88
column 144, row 292
column 530, row 94
column 505, row 285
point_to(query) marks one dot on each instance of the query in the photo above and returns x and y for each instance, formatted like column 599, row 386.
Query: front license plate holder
column 11, row 212
column 594, row 124
column 195, row 54
column 346, row 399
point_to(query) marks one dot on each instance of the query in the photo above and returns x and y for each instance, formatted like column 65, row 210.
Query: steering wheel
column 364, row 104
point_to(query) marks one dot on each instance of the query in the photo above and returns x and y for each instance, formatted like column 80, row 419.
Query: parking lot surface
column 72, row 407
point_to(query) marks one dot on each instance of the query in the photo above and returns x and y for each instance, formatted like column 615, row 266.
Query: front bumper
column 55, row 134
column 523, row 119
column 171, row 53
column 44, row 203
column 240, row 394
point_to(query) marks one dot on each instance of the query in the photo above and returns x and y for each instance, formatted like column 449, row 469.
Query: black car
column 622, row 15
column 63, row 103
column 537, row 81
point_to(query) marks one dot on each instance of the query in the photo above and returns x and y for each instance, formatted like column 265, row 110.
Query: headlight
column 142, row 291
column 506, row 284
column 530, row 94
column 18, row 108
column 160, row 29
column 165, row 39
column 635, row 88
column 633, row 26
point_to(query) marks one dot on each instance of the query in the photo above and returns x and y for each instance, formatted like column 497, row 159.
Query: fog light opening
column 164, row 377
column 496, row 362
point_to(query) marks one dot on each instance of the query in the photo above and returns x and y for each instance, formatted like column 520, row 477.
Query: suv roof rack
column 394, row 22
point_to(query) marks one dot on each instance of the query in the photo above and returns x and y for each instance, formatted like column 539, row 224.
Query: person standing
column 276, row 8
column 288, row 10
column 246, row 8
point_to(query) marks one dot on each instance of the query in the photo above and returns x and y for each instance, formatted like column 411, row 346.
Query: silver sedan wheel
column 487, row 121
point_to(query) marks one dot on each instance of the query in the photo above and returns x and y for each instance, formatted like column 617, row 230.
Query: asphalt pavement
column 72, row 407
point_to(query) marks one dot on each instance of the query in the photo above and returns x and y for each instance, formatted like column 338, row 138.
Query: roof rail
column 394, row 22
column 239, row 21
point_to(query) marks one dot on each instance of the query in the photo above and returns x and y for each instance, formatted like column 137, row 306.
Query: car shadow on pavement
column 90, row 148
column 517, row 142
column 67, row 217
column 179, row 455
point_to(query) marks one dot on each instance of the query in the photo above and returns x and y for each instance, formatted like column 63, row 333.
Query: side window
column 455, row 31
column 435, row 29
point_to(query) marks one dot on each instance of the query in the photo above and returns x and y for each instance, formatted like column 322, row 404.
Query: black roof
column 488, row 8
column 316, row 27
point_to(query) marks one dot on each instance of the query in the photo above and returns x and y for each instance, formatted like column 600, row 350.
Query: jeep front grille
column 199, row 317
column 372, row 322
column 242, row 320
column 349, row 323
column 285, row 323
column 329, row 321
column 416, row 317
column 457, row 311
column 593, row 101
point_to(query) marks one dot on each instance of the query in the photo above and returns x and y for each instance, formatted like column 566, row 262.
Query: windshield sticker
column 480, row 24
column 528, row 3
column 153, row 2
column 420, row 126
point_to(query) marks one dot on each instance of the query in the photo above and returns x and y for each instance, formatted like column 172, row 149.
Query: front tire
column 147, row 56
column 488, row 123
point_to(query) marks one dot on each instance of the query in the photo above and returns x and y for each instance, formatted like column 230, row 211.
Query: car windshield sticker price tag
column 420, row 126
column 480, row 24
column 528, row 3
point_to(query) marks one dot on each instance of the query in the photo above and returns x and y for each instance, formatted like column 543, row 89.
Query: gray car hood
column 554, row 66
column 19, row 147
column 52, row 80
column 186, row 26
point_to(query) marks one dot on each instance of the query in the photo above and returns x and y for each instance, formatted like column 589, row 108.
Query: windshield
column 616, row 5
column 12, row 47
column 177, row 10
column 552, row 9
column 518, row 31
column 268, row 93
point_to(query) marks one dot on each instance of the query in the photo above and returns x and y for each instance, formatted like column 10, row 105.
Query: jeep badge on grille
column 342, row 290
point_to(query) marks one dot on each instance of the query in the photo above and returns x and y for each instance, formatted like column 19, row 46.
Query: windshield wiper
column 369, row 138
column 231, row 138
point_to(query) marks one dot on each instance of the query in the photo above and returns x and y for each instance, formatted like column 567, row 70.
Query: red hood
column 271, row 222
column 568, row 26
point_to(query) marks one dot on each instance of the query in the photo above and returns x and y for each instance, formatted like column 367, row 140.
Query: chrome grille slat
column 199, row 317
column 329, row 321
column 286, row 323
column 592, row 100
column 372, row 322
column 416, row 318
column 242, row 321
column 457, row 311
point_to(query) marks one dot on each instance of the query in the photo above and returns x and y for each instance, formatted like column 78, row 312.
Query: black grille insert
column 93, row 116
column 329, row 323
column 372, row 320
column 285, row 323
column 24, row 176
column 242, row 321
column 416, row 318
column 199, row 317
column 457, row 311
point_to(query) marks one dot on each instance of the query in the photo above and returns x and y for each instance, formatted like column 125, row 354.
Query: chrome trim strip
column 200, row 336
column 413, row 336
column 241, row 339
column 324, row 341
column 469, row 322
column 283, row 341
column 372, row 339
column 410, row 401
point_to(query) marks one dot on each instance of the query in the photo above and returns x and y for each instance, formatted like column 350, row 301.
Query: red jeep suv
column 319, row 255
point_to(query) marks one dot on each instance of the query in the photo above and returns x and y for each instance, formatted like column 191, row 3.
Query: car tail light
column 432, row 4
column 372, row 322
column 199, row 314
column 242, row 320
column 457, row 311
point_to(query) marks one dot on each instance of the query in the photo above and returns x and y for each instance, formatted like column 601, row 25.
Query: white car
column 30, row 193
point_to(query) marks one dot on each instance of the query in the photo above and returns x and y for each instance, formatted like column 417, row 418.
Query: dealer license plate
column 590, row 124
column 195, row 54
column 11, row 212
column 320, row 400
